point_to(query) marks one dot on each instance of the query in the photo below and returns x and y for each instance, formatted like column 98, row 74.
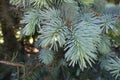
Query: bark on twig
column 12, row 64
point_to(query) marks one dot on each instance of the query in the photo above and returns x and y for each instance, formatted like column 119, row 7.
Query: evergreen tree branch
column 12, row 64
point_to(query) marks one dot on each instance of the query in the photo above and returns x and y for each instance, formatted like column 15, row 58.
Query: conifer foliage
column 82, row 33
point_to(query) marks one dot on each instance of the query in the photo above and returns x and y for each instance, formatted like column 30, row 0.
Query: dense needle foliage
column 72, row 34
